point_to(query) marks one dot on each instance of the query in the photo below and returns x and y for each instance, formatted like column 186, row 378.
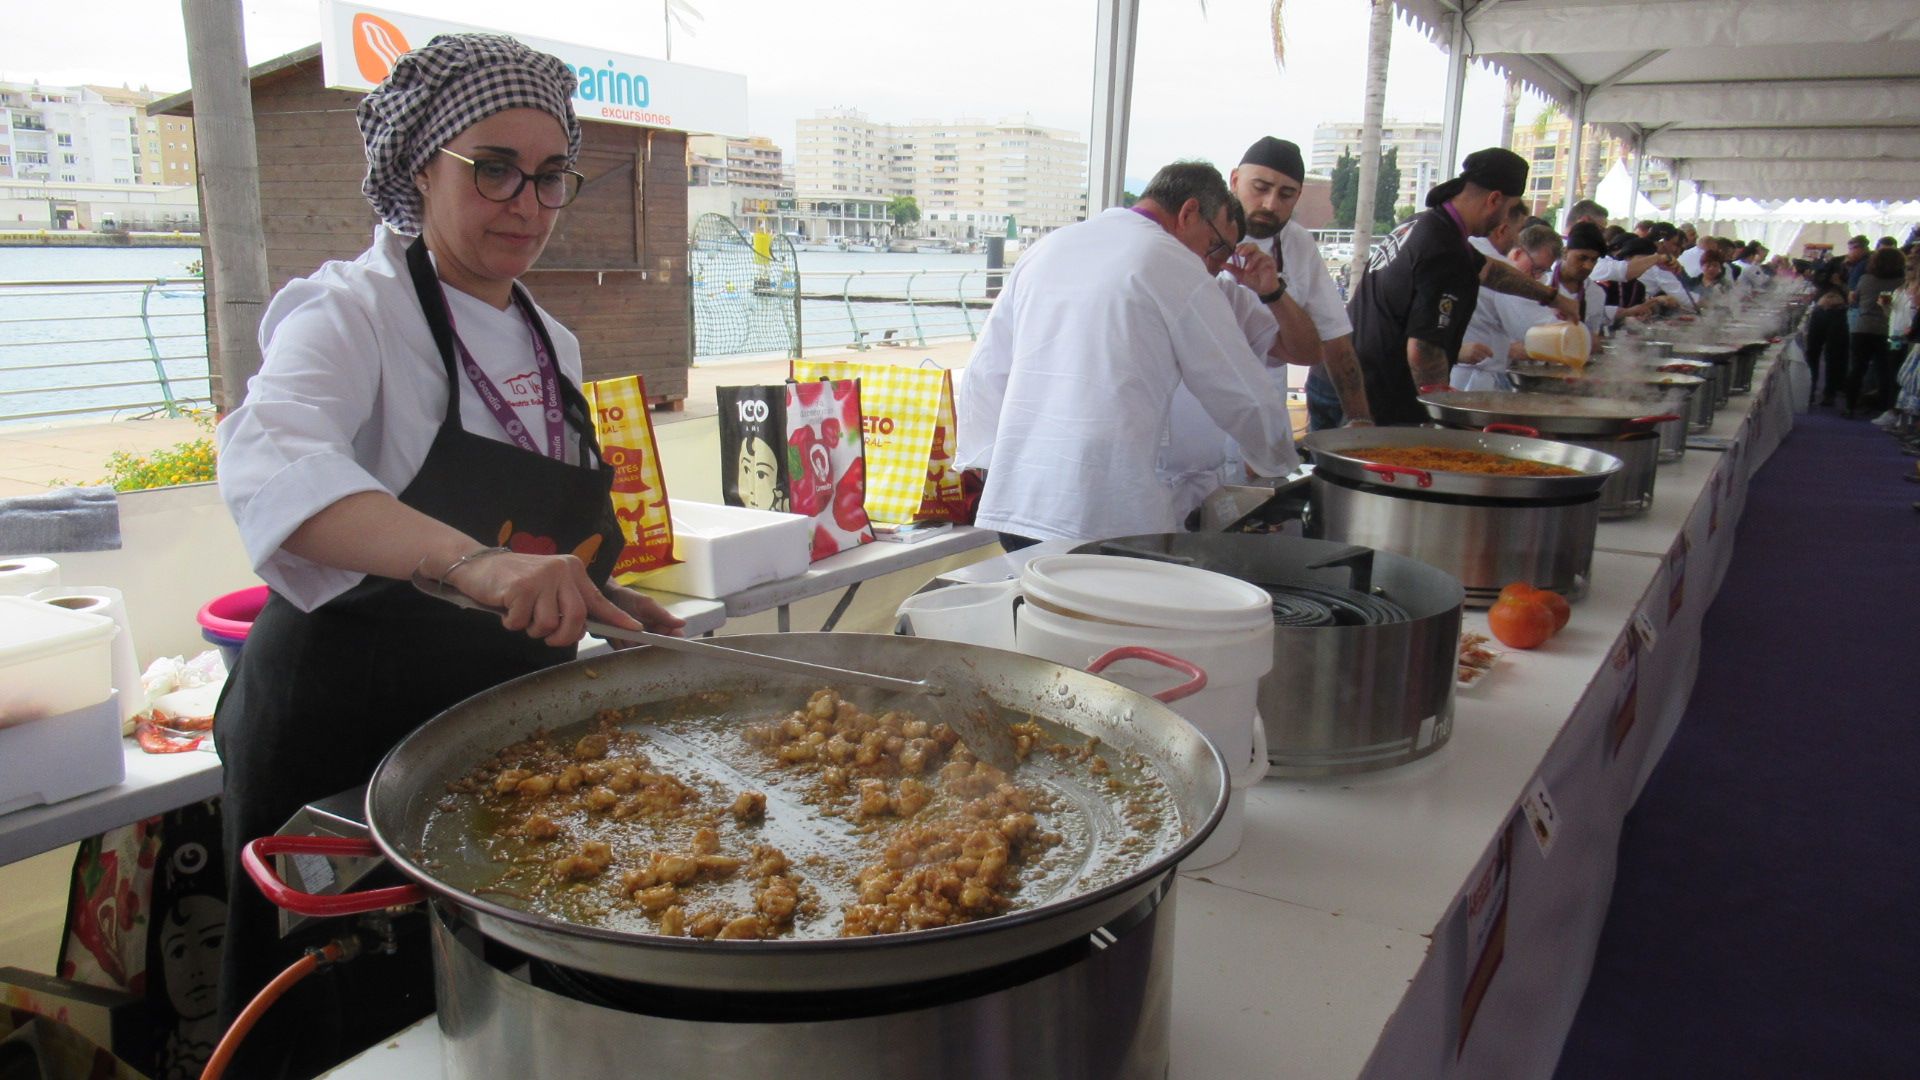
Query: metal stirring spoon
column 989, row 740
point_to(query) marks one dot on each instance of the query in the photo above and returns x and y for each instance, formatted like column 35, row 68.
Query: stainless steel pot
column 1368, row 693
column 1676, row 397
column 1702, row 404
column 1743, row 364
column 1628, row 492
column 1098, row 1007
column 402, row 797
column 1486, row 531
column 1621, row 428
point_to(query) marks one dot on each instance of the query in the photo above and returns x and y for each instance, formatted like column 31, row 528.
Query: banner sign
column 359, row 44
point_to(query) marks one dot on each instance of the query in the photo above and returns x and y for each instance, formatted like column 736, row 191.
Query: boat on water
column 934, row 245
column 868, row 247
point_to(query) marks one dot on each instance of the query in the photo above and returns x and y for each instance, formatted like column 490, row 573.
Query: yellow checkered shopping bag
column 908, row 421
column 625, row 429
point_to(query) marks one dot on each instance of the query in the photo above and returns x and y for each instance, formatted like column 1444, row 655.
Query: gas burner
column 1308, row 605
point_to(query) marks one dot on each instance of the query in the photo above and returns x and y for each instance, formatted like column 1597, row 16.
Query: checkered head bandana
column 435, row 93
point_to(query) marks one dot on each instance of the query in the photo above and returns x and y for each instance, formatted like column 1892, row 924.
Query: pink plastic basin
column 232, row 615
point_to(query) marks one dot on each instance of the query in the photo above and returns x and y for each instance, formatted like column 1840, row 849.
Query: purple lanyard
column 1455, row 215
column 497, row 405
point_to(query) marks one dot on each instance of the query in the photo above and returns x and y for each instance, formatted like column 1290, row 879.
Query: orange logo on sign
column 377, row 46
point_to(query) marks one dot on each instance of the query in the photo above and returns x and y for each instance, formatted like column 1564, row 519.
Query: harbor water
column 62, row 337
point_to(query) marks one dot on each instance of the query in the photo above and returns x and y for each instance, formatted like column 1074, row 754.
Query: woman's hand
column 646, row 609
column 549, row 597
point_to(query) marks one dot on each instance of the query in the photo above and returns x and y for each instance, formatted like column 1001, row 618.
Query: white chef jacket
column 1198, row 450
column 1069, row 387
column 1690, row 260
column 350, row 394
column 1309, row 282
column 1498, row 321
column 1193, row 448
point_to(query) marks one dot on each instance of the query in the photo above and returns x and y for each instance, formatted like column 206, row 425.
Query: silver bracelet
column 471, row 556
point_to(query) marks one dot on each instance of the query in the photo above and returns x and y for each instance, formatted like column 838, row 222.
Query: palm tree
column 1510, row 107
column 1379, row 42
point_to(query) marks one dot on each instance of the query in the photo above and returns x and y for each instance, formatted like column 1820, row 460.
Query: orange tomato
column 1521, row 622
column 1557, row 605
column 1519, row 590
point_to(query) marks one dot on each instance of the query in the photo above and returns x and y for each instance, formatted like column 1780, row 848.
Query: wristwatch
column 1278, row 292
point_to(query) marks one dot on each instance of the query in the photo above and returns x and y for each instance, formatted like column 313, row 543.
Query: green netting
column 743, row 297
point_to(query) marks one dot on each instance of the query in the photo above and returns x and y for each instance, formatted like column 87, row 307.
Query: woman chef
column 414, row 413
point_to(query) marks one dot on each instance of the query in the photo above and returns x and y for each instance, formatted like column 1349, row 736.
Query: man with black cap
column 1412, row 306
column 1585, row 245
column 1268, row 183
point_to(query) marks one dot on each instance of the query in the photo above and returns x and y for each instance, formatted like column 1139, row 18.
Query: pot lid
column 1138, row 592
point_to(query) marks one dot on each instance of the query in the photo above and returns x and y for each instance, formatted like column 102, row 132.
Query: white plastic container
column 61, row 757
column 1079, row 607
column 724, row 549
column 979, row 614
column 52, row 660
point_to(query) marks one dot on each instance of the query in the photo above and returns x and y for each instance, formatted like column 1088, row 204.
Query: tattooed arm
column 1343, row 369
column 1506, row 278
column 1430, row 363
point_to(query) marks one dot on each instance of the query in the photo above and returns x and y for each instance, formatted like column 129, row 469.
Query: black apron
column 320, row 697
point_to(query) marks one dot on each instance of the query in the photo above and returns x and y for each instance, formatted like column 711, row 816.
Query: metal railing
column 893, row 307
column 102, row 346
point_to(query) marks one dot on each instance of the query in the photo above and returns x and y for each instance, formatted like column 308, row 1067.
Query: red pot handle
column 254, row 856
column 1197, row 677
column 1661, row 419
column 1386, row 473
column 1512, row 429
column 1437, row 388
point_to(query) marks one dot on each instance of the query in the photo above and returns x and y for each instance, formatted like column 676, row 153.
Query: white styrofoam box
column 52, row 660
column 724, row 549
column 61, row 757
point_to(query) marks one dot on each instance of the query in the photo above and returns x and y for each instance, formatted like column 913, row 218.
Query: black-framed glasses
column 1221, row 248
column 503, row 181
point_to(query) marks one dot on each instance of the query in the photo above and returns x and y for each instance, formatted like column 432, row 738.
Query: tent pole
column 1116, row 26
column 1576, row 147
column 1455, row 94
column 1639, row 171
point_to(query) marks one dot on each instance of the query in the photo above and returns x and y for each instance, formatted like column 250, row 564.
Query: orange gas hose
column 249, row 1016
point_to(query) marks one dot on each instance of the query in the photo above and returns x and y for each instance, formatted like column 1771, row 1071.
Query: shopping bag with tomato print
column 625, row 430
column 826, row 463
column 910, row 440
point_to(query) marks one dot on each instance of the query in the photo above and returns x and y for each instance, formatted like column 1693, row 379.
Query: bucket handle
column 1512, row 429
column 253, row 856
column 1197, row 679
column 1386, row 473
column 1258, row 765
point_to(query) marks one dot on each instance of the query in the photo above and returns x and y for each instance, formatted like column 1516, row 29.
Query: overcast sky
column 1205, row 85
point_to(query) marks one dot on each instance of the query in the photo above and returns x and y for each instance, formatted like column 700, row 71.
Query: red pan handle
column 255, row 857
column 1512, row 429
column 1197, row 678
column 1386, row 473
column 1661, row 419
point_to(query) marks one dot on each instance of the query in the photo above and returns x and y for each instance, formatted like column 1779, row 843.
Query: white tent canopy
column 1766, row 99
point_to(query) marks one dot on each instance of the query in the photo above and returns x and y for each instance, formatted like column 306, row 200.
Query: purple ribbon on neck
column 549, row 372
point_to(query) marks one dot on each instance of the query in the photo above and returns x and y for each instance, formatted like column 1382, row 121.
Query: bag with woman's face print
column 753, row 446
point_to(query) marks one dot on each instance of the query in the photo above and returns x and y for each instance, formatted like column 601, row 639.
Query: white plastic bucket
column 1079, row 607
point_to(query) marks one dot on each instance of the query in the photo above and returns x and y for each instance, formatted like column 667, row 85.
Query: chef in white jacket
column 1067, row 393
column 1308, row 324
column 1496, row 335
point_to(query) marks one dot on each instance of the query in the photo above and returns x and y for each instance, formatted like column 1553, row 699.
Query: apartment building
column 1547, row 144
column 970, row 178
column 739, row 178
column 1419, row 160
column 91, row 135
